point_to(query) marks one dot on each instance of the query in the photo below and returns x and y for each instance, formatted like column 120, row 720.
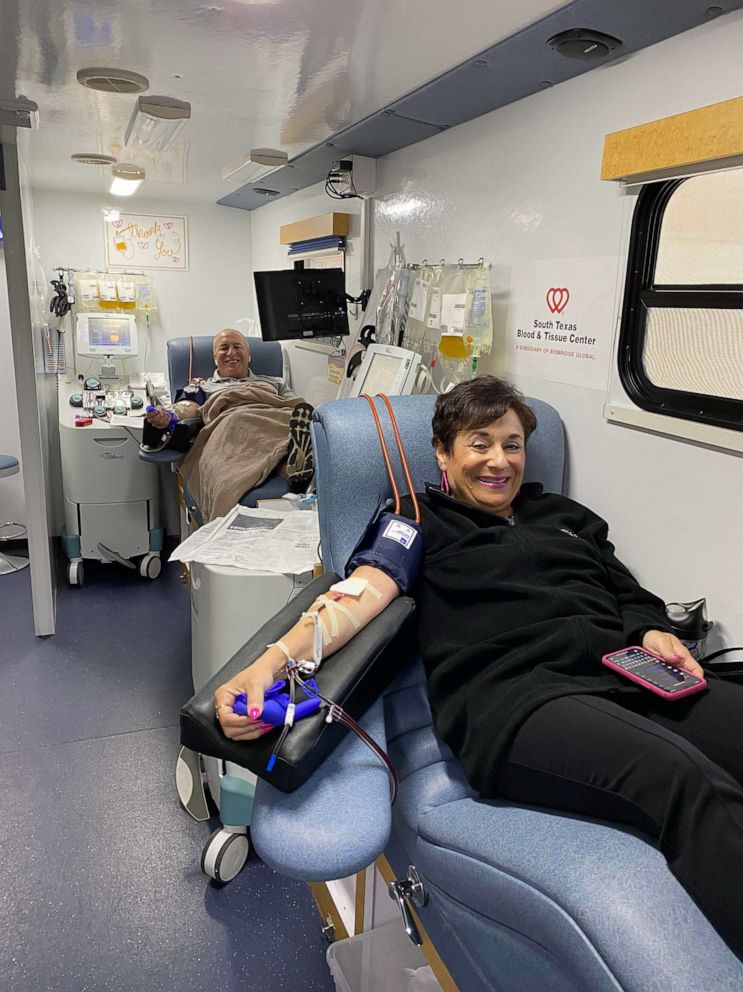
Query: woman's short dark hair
column 475, row 404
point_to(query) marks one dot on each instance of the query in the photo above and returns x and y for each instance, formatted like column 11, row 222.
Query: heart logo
column 118, row 223
column 168, row 224
column 557, row 299
column 143, row 244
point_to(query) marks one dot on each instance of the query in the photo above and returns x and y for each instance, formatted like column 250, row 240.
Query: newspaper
column 259, row 540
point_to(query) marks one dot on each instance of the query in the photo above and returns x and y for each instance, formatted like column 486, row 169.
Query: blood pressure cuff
column 393, row 544
column 192, row 393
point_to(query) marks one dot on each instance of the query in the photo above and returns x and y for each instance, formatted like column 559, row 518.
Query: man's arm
column 183, row 409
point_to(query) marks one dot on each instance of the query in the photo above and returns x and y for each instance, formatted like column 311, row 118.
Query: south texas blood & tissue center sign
column 559, row 323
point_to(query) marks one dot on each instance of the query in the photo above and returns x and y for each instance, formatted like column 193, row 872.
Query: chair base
column 11, row 563
column 11, row 531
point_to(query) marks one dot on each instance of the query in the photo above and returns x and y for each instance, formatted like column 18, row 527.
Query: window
column 681, row 337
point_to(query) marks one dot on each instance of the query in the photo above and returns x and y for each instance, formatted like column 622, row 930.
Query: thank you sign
column 145, row 241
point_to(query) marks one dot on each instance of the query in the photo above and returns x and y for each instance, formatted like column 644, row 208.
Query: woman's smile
column 493, row 481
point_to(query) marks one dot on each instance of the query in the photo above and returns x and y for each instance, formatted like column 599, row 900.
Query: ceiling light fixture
column 259, row 162
column 92, row 158
column 156, row 122
column 112, row 80
column 126, row 179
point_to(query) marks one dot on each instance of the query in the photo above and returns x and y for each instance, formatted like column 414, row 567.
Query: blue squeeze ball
column 277, row 702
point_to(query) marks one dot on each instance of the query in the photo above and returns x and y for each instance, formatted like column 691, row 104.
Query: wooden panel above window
column 707, row 138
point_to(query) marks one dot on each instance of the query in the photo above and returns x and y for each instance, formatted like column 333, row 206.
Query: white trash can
column 380, row 960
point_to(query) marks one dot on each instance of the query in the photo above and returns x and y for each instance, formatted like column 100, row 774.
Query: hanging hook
column 481, row 262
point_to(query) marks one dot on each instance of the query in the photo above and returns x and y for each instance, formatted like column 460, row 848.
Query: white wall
column 216, row 290
column 522, row 184
column 11, row 489
column 308, row 369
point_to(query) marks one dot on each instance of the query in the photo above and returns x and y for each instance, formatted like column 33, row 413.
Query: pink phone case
column 697, row 687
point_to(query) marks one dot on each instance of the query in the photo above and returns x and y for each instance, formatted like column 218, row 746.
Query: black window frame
column 641, row 294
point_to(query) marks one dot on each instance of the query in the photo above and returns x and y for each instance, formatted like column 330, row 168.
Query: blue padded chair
column 519, row 899
column 195, row 356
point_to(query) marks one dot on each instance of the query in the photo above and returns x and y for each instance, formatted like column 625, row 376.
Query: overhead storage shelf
column 322, row 226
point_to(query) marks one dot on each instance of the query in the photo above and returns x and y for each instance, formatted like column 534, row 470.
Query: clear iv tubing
column 338, row 714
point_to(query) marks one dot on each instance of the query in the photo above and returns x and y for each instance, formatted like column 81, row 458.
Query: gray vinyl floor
column 101, row 887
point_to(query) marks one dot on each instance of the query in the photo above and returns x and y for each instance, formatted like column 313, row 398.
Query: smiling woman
column 480, row 432
column 519, row 595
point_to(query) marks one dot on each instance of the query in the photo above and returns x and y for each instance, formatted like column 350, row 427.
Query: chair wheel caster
column 190, row 781
column 224, row 855
column 150, row 566
column 75, row 573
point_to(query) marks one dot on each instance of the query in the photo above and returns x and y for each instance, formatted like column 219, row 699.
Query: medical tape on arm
column 283, row 648
column 332, row 608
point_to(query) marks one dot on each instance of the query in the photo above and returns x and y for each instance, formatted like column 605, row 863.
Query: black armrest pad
column 354, row 677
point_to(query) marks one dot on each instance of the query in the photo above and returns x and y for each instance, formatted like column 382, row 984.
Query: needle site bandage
column 354, row 587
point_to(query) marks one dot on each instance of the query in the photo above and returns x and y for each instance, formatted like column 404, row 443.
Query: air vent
column 584, row 44
column 113, row 80
column 262, row 191
column 92, row 158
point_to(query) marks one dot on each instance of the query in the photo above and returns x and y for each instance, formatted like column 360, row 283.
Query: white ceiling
column 258, row 73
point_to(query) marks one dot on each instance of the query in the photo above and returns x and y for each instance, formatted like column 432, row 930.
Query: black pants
column 672, row 769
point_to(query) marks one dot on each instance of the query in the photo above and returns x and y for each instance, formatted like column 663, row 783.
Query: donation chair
column 195, row 355
column 517, row 899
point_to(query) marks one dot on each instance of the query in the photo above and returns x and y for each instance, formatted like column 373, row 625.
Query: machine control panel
column 100, row 401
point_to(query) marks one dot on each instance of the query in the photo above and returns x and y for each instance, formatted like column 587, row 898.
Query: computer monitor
column 386, row 369
column 301, row 303
column 113, row 334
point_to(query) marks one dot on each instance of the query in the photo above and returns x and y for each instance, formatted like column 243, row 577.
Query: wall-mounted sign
column 145, row 241
column 559, row 323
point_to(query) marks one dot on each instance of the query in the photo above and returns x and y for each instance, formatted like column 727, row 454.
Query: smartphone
column 652, row 672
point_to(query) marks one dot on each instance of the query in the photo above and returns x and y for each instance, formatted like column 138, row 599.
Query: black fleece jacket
column 511, row 616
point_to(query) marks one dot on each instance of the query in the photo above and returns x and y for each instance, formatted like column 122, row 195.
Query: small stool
column 10, row 531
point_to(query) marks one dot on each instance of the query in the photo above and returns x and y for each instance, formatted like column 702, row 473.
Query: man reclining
column 252, row 426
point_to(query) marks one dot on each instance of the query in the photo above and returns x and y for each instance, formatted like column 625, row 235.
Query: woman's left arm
column 643, row 613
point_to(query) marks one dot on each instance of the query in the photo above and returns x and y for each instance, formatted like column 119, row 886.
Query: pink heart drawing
column 175, row 258
column 118, row 223
column 168, row 224
column 557, row 299
column 143, row 244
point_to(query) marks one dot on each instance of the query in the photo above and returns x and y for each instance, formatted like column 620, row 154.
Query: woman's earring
column 444, row 482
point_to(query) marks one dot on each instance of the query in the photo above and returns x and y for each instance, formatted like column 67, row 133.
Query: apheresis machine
column 111, row 496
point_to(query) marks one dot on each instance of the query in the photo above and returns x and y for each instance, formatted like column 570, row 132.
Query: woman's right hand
column 253, row 681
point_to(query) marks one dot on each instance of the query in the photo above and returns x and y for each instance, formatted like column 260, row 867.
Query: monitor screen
column 109, row 332
column 381, row 374
column 301, row 303
column 386, row 369
column 106, row 334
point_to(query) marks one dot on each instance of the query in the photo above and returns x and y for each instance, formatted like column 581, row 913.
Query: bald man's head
column 231, row 354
